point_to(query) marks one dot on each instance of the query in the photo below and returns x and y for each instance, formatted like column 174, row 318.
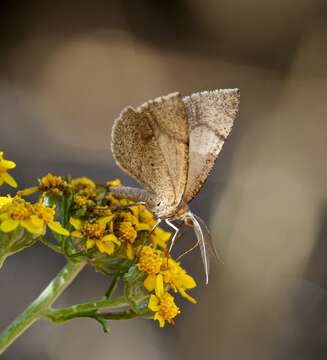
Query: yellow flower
column 46, row 217
column 146, row 221
column 80, row 200
column 4, row 200
column 177, row 278
column 33, row 218
column 83, row 183
column 112, row 200
column 160, row 237
column 5, row 177
column 113, row 183
column 103, row 211
column 86, row 196
column 163, row 305
column 127, row 234
column 53, row 184
column 19, row 213
column 144, row 215
column 150, row 262
column 28, row 191
column 96, row 234
column 154, row 263
column 129, row 217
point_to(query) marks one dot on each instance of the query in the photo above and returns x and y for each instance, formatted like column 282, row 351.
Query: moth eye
column 159, row 203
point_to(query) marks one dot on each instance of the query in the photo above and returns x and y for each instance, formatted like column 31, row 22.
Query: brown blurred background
column 66, row 71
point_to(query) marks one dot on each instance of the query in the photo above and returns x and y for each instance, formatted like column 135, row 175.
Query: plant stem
column 112, row 287
column 52, row 246
column 64, row 314
column 36, row 309
column 2, row 259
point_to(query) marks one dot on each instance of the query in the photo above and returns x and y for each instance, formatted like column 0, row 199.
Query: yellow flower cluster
column 6, row 165
column 85, row 192
column 49, row 184
column 52, row 184
column 34, row 218
column 102, row 229
column 118, row 231
column 163, row 273
column 96, row 233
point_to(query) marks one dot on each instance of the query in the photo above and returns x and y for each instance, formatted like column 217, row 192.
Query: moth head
column 159, row 208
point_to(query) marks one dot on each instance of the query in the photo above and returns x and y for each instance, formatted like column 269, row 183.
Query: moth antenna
column 189, row 250
column 203, row 246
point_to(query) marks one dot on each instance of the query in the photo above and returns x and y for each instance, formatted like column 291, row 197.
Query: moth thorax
column 181, row 212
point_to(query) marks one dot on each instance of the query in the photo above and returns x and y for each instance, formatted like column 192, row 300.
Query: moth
column 169, row 145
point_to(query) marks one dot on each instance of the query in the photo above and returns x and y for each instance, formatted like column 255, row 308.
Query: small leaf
column 109, row 265
column 135, row 293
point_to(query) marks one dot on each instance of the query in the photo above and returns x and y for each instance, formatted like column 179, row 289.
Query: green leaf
column 109, row 265
column 15, row 241
column 135, row 292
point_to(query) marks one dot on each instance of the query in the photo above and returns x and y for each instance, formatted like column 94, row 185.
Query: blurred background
column 66, row 71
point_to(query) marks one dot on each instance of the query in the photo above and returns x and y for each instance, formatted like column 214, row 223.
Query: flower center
column 46, row 214
column 150, row 262
column 19, row 210
column 93, row 231
column 168, row 309
column 126, row 232
column 52, row 183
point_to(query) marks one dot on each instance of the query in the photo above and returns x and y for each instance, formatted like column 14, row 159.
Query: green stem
column 52, row 246
column 129, row 314
column 64, row 314
column 112, row 287
column 2, row 259
column 35, row 310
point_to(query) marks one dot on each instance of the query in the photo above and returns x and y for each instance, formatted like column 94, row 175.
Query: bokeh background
column 66, row 71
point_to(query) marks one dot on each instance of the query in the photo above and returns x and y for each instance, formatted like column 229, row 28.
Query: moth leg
column 155, row 225
column 189, row 250
column 173, row 239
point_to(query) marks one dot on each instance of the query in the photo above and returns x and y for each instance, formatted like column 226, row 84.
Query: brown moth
column 169, row 145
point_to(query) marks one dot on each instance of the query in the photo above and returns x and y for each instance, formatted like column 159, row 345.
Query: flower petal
column 7, row 164
column 112, row 238
column 4, row 200
column 135, row 210
column 142, row 226
column 130, row 253
column 153, row 303
column 30, row 227
column 107, row 247
column 37, row 222
column 76, row 234
column 187, row 296
column 9, row 180
column 76, row 223
column 103, row 221
column 9, row 225
column 150, row 282
column 188, row 282
column 90, row 244
column 28, row 191
column 161, row 320
column 159, row 286
column 58, row 228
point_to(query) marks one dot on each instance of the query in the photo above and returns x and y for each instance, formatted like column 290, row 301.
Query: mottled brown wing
column 151, row 144
column 211, row 116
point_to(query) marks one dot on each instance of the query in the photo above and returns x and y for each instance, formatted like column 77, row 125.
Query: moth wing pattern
column 211, row 116
column 151, row 144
